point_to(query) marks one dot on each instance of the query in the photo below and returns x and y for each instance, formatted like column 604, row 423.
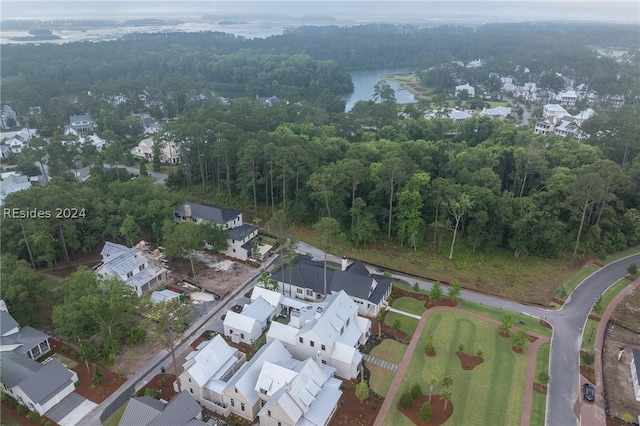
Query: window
column 242, row 335
column 234, row 250
column 323, row 347
column 129, row 274
column 242, row 406
column 142, row 266
column 191, row 390
column 269, row 413
column 189, row 379
column 300, row 339
column 324, row 361
column 262, row 403
column 309, row 292
column 233, row 402
column 299, row 291
column 312, row 343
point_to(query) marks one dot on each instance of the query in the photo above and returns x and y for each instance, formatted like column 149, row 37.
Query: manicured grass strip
column 389, row 350
column 409, row 304
column 538, row 409
column 380, row 379
column 524, row 321
column 542, row 360
column 490, row 394
column 569, row 285
column 612, row 292
column 68, row 362
column 589, row 335
column 404, row 323
column 115, row 417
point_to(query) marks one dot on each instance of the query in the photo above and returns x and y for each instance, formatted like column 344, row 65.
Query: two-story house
column 330, row 332
column 137, row 266
column 82, row 123
column 170, row 152
column 240, row 236
column 182, row 410
column 248, row 325
column 305, row 280
column 471, row 92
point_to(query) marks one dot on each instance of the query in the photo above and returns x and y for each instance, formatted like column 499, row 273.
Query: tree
column 436, row 291
column 266, row 281
column 429, row 347
column 130, row 229
column 416, row 391
column 184, row 241
column 406, row 401
column 143, row 168
column 328, row 229
column 214, row 236
column 425, row 412
column 457, row 208
column 20, row 288
column 392, row 171
column 171, row 318
column 632, row 269
column 432, row 381
column 627, row 417
column 447, row 381
column 454, row 291
column 446, row 396
column 519, row 339
column 362, row 391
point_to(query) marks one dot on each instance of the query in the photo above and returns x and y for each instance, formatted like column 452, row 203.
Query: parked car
column 588, row 392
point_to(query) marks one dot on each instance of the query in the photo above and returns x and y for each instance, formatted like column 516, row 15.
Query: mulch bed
column 387, row 331
column 558, row 301
column 588, row 373
column 629, row 278
column 398, row 292
column 438, row 414
column 517, row 349
column 531, row 338
column 95, row 393
column 444, row 302
column 545, row 324
column 594, row 317
column 352, row 412
column 537, row 387
column 430, row 354
column 469, row 362
column 504, row 334
column 162, row 384
column 205, row 336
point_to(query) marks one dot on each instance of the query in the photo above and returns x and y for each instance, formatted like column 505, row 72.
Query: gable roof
column 272, row 297
column 209, row 212
column 259, row 309
column 246, row 378
column 182, row 409
column 141, row 411
column 211, row 360
column 240, row 322
column 241, row 232
column 274, row 376
column 7, row 323
column 47, row 381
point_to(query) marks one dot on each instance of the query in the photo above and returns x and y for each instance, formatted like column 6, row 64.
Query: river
column 364, row 82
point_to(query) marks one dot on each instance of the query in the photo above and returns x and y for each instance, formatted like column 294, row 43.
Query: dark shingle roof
column 209, row 212
column 47, row 382
column 240, row 232
column 7, row 322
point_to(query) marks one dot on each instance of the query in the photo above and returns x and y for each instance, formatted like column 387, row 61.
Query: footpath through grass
column 490, row 394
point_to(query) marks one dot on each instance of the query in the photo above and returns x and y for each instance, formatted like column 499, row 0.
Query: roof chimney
column 187, row 210
column 345, row 262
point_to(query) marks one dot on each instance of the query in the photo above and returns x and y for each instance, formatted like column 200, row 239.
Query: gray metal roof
column 47, row 381
column 210, row 360
column 636, row 357
column 241, row 232
column 209, row 212
column 28, row 337
column 16, row 368
column 7, row 322
column 179, row 411
column 141, row 411
column 258, row 309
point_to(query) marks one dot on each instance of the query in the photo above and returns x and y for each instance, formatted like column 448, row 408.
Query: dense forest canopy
column 422, row 182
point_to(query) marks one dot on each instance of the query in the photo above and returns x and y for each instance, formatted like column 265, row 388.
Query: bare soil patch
column 443, row 302
column 160, row 387
column 430, row 354
column 96, row 393
column 617, row 383
column 558, row 301
column 504, row 334
column 352, row 412
column 469, row 362
column 517, row 349
column 588, row 373
column 537, row 387
column 63, row 269
column 594, row 317
column 439, row 414
column 627, row 313
column 545, row 324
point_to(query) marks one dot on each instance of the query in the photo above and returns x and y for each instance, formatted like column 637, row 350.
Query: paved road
column 158, row 178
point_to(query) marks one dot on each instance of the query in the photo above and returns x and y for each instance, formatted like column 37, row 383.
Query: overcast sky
column 627, row 11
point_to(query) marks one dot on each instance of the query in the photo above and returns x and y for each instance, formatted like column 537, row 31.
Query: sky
column 625, row 11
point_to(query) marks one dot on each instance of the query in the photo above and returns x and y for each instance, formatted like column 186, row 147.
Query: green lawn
column 539, row 401
column 524, row 321
column 590, row 329
column 115, row 417
column 569, row 285
column 409, row 304
column 69, row 363
column 406, row 324
column 490, row 394
column 381, row 378
column 612, row 292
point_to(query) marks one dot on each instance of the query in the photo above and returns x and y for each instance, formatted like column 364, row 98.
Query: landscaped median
column 491, row 393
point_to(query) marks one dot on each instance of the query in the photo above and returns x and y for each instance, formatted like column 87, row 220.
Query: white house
column 328, row 332
column 305, row 280
column 497, row 112
column 18, row 140
column 81, row 123
column 150, row 124
column 12, row 182
column 544, row 127
column 137, row 266
column 567, row 97
column 299, row 393
column 459, row 116
column 248, row 325
column 239, row 235
column 470, row 90
column 7, row 114
column 635, row 373
column 170, row 152
column 554, row 112
column 207, row 371
column 37, row 386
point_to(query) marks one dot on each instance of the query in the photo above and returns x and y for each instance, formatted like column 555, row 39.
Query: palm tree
column 447, row 381
column 433, row 380
column 446, row 395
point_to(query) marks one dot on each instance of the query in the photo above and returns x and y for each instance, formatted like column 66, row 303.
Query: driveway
column 71, row 410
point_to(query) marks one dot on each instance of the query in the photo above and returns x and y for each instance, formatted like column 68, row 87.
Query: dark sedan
column 588, row 392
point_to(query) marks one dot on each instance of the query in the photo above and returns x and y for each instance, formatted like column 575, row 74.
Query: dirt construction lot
column 617, row 374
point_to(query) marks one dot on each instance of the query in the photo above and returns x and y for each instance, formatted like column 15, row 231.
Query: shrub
column 436, row 291
column 543, row 377
column 416, row 391
column 632, row 269
column 588, row 358
column 153, row 393
column 33, row 416
column 405, row 401
column 21, row 409
column 137, row 335
column 396, row 324
column 428, row 347
column 98, row 376
column 479, row 353
column 461, row 347
column 416, row 286
column 425, row 412
column 47, row 423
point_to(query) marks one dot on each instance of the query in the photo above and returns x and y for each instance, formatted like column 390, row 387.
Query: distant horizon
column 353, row 11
